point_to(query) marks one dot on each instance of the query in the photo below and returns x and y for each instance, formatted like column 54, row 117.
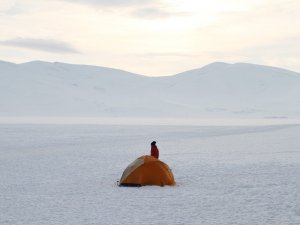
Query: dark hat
column 153, row 143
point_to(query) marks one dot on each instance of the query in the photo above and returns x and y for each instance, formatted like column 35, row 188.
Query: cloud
column 155, row 13
column 11, row 9
column 167, row 54
column 46, row 45
column 151, row 13
column 145, row 9
column 110, row 3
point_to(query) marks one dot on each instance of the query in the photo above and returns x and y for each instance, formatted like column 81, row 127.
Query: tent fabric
column 147, row 170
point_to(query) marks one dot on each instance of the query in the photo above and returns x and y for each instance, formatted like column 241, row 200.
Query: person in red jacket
column 154, row 150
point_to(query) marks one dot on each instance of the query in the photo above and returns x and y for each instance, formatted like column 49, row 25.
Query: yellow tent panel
column 147, row 170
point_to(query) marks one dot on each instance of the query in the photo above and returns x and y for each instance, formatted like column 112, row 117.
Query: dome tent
column 147, row 170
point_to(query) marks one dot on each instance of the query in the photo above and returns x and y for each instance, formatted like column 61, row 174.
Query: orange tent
column 147, row 170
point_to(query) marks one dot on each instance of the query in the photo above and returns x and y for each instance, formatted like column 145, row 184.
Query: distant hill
column 216, row 90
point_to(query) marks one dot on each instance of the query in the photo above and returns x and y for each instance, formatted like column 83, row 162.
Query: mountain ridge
column 207, row 66
column 218, row 89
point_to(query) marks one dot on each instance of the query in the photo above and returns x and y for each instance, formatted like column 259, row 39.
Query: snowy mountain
column 216, row 90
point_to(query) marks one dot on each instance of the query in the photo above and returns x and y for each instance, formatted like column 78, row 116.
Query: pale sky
column 151, row 37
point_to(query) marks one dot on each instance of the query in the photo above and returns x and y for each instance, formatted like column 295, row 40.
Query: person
column 154, row 150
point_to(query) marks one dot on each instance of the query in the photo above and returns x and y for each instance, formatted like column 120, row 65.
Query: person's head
column 153, row 143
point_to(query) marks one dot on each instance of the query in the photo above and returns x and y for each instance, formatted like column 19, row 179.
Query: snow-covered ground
column 66, row 174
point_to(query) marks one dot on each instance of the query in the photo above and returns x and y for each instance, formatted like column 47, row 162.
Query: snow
column 41, row 89
column 229, row 132
column 66, row 174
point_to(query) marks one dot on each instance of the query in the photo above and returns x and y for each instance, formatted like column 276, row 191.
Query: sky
column 151, row 37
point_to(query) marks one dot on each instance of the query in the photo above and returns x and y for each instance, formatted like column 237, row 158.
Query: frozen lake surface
column 226, row 175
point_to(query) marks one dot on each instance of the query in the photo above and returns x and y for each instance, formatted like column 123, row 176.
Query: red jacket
column 154, row 151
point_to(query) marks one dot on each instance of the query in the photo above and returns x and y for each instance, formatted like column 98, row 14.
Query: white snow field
column 226, row 175
column 218, row 90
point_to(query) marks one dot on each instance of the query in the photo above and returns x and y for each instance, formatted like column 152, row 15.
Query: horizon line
column 140, row 74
